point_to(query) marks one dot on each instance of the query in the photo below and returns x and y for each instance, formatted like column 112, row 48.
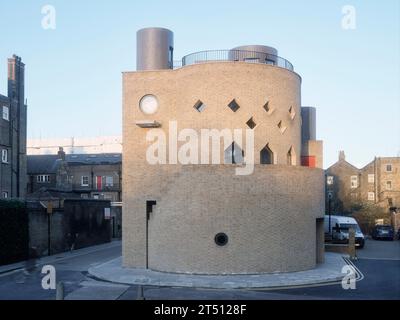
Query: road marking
column 381, row 259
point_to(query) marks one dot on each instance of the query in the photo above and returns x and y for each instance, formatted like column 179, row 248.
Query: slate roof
column 49, row 163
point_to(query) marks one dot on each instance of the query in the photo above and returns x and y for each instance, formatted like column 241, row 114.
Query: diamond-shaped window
column 282, row 127
column 292, row 113
column 199, row 106
column 251, row 123
column 268, row 108
column 234, row 105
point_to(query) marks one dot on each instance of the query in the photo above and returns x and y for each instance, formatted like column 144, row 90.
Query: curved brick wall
column 270, row 220
column 269, row 216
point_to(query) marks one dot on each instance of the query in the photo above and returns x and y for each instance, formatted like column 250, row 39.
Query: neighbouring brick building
column 376, row 183
column 87, row 176
column 13, row 121
column 203, row 218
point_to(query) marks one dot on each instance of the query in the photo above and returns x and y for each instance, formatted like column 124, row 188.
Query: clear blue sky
column 73, row 73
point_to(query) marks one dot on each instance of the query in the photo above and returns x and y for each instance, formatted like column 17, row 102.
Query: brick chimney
column 342, row 156
column 61, row 153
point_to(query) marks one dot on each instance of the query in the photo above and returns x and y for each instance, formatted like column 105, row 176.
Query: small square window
column 329, row 180
column 234, row 105
column 6, row 113
column 371, row 196
column 371, row 178
column 389, row 168
column 388, row 185
column 251, row 124
column 200, row 106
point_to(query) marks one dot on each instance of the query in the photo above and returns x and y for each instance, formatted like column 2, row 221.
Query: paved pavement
column 330, row 271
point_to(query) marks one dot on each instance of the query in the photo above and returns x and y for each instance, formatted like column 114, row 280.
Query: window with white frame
column 329, row 180
column 5, row 195
column 85, row 181
column 43, row 178
column 4, row 156
column 389, row 168
column 388, row 185
column 371, row 196
column 6, row 113
column 354, row 182
column 371, row 178
column 109, row 181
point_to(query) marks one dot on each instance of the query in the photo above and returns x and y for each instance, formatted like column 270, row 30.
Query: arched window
column 234, row 154
column 266, row 155
column 291, row 157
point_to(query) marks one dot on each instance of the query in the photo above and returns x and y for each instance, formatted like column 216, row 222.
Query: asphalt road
column 379, row 263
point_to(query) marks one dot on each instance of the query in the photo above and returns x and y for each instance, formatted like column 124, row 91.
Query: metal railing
column 236, row 55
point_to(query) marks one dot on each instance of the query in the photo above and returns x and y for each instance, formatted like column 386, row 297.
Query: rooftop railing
column 236, row 55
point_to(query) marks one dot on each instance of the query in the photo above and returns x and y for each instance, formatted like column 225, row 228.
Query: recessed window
column 251, row 123
column 85, row 181
column 389, row 168
column 282, row 128
column 371, row 178
column 267, row 107
column 266, row 155
column 291, row 157
column 354, row 182
column 6, row 113
column 200, row 106
column 43, row 178
column 234, row 154
column 4, row 156
column 221, row 239
column 292, row 113
column 234, row 105
column 371, row 196
column 5, row 195
column 388, row 185
column 329, row 180
column 148, row 104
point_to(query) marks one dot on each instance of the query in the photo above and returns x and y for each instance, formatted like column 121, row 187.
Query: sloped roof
column 49, row 164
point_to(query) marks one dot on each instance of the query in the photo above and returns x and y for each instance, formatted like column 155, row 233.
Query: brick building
column 13, row 121
column 203, row 218
column 376, row 183
column 87, row 176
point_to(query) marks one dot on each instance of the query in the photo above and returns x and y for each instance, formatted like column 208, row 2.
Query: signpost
column 49, row 212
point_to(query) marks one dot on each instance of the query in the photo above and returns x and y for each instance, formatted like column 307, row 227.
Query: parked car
column 339, row 230
column 384, row 232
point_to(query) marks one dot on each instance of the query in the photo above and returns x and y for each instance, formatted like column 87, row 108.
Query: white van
column 340, row 226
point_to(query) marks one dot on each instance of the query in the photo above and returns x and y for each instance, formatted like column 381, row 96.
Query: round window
column 148, row 104
column 221, row 239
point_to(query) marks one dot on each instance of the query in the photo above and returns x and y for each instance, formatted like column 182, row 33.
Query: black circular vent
column 221, row 239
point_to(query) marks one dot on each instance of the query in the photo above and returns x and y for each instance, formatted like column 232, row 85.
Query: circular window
column 221, row 239
column 148, row 104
